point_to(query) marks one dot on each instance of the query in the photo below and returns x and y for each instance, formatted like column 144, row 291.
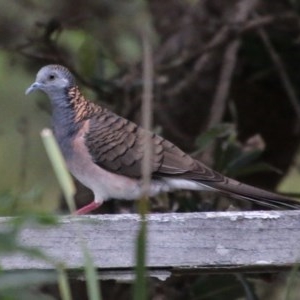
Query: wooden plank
column 197, row 242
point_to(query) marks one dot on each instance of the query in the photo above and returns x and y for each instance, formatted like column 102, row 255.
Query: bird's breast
column 103, row 183
column 65, row 131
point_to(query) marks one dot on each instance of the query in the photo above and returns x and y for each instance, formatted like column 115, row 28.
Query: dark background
column 232, row 62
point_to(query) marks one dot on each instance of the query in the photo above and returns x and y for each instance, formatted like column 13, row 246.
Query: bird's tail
column 258, row 196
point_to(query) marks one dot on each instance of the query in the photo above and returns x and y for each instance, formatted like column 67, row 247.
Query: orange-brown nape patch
column 83, row 108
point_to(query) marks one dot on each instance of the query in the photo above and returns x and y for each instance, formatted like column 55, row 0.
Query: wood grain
column 191, row 242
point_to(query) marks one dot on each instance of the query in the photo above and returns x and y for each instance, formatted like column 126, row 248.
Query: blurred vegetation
column 256, row 139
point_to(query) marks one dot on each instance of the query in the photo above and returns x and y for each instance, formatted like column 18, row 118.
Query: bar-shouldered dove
column 105, row 151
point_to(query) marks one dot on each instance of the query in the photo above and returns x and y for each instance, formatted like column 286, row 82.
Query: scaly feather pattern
column 106, row 151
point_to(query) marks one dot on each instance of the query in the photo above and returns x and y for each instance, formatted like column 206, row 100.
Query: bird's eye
column 51, row 77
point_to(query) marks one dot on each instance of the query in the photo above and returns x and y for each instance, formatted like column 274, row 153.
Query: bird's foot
column 88, row 208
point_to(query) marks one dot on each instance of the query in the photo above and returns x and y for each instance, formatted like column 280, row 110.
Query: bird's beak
column 35, row 86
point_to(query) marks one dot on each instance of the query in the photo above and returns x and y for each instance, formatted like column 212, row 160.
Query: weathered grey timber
column 191, row 242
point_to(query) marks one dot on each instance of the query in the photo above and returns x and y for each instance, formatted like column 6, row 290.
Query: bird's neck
column 70, row 110
column 63, row 122
column 82, row 108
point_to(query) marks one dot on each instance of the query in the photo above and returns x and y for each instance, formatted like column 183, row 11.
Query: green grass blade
column 91, row 276
column 63, row 284
column 68, row 188
column 140, row 284
column 59, row 166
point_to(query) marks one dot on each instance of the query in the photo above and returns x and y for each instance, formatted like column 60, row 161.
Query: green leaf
column 208, row 137
column 130, row 47
column 7, row 201
column 252, row 169
column 242, row 160
column 45, row 219
column 8, row 241
column 87, row 56
column 224, row 153
column 25, row 278
column 26, row 293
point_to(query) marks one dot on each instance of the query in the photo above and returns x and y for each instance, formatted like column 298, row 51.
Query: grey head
column 54, row 80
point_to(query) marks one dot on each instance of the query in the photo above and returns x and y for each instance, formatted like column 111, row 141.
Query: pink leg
column 88, row 208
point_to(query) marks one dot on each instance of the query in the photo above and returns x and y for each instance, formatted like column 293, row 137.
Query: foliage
column 100, row 41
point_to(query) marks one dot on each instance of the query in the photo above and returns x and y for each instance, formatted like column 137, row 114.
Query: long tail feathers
column 258, row 196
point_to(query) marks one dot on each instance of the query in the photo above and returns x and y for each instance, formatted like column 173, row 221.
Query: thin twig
column 286, row 82
column 204, row 57
column 223, row 36
column 147, row 108
column 268, row 20
column 219, row 101
column 243, row 9
column 227, row 33
column 219, row 39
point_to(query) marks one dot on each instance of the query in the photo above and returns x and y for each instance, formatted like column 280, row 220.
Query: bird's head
column 54, row 80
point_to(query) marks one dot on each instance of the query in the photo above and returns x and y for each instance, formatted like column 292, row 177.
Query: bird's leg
column 88, row 208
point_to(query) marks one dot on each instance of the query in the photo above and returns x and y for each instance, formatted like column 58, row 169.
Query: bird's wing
column 117, row 145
